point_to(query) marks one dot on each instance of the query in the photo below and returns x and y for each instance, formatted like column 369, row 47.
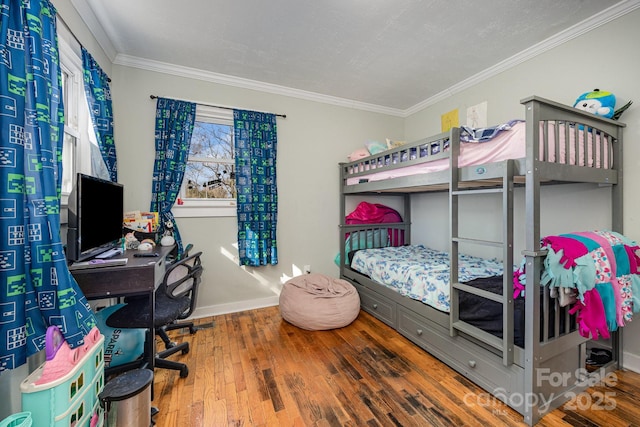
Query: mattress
column 487, row 315
column 507, row 144
column 421, row 273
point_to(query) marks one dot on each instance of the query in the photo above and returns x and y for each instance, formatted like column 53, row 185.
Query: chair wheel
column 192, row 330
column 185, row 350
column 184, row 372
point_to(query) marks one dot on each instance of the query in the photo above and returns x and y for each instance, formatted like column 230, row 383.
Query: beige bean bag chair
column 317, row 302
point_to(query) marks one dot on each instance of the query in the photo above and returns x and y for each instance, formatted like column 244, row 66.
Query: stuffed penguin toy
column 598, row 102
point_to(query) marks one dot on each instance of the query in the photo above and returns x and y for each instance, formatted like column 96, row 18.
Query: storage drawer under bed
column 474, row 362
column 378, row 306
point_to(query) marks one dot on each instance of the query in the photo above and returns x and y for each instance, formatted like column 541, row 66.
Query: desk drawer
column 139, row 276
column 105, row 283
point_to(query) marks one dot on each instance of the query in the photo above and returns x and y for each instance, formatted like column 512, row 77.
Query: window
column 209, row 187
column 75, row 154
column 69, row 143
column 79, row 145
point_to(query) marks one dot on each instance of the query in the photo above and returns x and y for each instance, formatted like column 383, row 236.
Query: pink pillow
column 360, row 153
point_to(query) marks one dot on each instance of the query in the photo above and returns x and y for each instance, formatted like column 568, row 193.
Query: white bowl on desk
column 167, row 241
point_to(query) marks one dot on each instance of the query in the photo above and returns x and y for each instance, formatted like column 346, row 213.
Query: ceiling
column 386, row 54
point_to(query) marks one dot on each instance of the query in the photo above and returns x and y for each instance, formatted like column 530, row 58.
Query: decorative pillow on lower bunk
column 364, row 240
column 317, row 302
column 371, row 213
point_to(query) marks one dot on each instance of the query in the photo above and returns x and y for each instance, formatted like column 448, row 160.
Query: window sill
column 204, row 209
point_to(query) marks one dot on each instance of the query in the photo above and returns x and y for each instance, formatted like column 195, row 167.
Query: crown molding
column 95, row 28
column 577, row 30
column 194, row 73
column 562, row 37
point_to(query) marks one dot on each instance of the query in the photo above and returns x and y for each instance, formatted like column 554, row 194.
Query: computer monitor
column 96, row 209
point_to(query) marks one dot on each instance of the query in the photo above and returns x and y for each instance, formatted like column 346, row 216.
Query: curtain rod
column 284, row 116
column 74, row 37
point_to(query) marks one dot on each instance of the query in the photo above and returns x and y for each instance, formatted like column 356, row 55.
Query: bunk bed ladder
column 504, row 344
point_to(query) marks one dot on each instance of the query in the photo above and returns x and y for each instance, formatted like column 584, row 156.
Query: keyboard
column 97, row 263
column 110, row 253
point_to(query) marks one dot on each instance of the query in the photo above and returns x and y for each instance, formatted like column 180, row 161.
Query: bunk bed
column 559, row 144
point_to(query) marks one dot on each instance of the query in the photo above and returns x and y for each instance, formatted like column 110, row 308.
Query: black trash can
column 126, row 399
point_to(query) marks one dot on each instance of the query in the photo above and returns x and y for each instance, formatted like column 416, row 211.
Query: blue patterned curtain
column 96, row 86
column 37, row 289
column 255, row 143
column 174, row 127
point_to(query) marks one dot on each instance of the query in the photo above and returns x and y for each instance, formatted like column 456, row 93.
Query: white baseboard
column 218, row 309
column 631, row 361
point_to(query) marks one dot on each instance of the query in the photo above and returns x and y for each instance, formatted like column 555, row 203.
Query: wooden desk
column 140, row 276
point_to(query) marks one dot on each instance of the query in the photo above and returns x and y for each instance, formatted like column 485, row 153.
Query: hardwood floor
column 254, row 369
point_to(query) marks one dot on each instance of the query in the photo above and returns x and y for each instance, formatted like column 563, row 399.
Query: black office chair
column 175, row 300
column 162, row 331
column 174, row 256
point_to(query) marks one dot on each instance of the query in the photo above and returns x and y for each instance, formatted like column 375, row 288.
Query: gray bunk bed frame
column 520, row 377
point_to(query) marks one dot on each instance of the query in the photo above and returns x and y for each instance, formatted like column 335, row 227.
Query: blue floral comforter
column 421, row 273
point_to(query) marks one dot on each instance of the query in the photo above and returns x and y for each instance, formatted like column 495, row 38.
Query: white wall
column 312, row 139
column 606, row 58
